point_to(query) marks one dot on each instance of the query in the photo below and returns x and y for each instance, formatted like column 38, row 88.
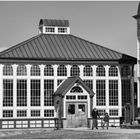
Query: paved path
column 110, row 130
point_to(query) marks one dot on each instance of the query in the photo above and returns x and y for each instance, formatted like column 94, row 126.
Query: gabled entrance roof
column 67, row 85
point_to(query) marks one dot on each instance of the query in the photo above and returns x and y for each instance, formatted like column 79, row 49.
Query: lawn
column 65, row 134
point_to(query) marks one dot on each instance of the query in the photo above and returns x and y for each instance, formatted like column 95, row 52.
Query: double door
column 76, row 114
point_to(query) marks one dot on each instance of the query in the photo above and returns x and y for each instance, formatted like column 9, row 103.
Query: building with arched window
column 58, row 76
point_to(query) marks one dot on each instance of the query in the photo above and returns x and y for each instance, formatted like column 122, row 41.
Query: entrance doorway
column 77, row 114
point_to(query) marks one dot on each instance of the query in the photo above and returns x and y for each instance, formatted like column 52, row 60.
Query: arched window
column 35, row 70
column 113, row 71
column 48, row 71
column 7, row 70
column 21, row 70
column 75, row 71
column 100, row 71
column 76, row 89
column 61, row 71
column 125, row 71
column 88, row 71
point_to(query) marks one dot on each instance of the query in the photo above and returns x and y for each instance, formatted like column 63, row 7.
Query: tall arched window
column 75, row 71
column 48, row 71
column 113, row 71
column 35, row 70
column 7, row 70
column 88, row 71
column 62, row 71
column 125, row 71
column 100, row 71
column 76, row 89
column 21, row 70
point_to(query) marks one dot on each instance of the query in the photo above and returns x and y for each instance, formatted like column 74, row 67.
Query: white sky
column 107, row 23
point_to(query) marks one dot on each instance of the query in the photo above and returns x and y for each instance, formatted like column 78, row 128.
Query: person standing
column 95, row 116
column 105, row 121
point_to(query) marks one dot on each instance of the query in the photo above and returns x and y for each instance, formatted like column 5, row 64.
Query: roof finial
column 138, row 12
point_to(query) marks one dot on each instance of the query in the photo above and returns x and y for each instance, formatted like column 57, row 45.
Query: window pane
column 35, row 70
column 62, row 30
column 61, row 71
column 75, row 71
column 113, row 112
column 35, row 92
column 7, row 70
column 35, row 113
column 7, row 92
column 21, row 70
column 48, row 71
column 81, row 108
column 113, row 71
column 48, row 92
column 7, row 113
column 88, row 71
column 21, row 92
column 48, row 113
column 100, row 93
column 126, row 96
column 49, row 29
column 113, row 92
column 71, row 109
column 76, row 89
column 100, row 71
column 125, row 71
column 21, row 113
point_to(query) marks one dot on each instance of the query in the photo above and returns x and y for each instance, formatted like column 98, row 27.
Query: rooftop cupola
column 53, row 26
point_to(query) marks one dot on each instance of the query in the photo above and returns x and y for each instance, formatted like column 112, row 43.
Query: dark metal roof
column 54, row 22
column 68, row 83
column 61, row 47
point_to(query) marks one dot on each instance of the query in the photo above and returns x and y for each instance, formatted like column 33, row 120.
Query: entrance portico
column 73, row 102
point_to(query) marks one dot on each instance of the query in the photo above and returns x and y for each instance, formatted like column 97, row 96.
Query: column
column 107, row 87
column 28, row 89
column 1, row 89
column 81, row 71
column 55, row 76
column 119, row 91
column 94, row 84
column 42, row 89
column 132, row 91
column 138, row 74
column 68, row 70
column 55, row 81
column 14, row 90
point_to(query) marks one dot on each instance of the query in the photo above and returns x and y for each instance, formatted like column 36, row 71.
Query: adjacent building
column 56, row 75
column 137, row 17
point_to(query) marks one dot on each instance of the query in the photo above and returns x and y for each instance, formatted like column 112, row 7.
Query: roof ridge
column 96, row 44
column 19, row 44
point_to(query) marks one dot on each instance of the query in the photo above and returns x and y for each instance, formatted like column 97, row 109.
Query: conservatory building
column 58, row 77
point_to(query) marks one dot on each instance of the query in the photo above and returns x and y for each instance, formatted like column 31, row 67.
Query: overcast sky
column 107, row 23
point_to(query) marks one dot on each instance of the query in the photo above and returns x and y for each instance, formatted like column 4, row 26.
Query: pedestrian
column 105, row 121
column 95, row 116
